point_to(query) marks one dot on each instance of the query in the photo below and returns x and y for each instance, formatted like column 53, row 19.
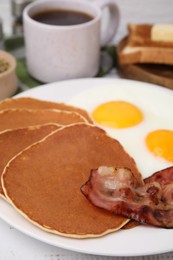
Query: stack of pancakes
column 47, row 152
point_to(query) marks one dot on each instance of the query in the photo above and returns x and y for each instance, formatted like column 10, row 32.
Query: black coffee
column 61, row 17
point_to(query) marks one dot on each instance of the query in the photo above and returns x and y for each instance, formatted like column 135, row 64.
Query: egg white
column 157, row 115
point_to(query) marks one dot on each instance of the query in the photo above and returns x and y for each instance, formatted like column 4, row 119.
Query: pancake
column 32, row 103
column 43, row 182
column 13, row 141
column 19, row 118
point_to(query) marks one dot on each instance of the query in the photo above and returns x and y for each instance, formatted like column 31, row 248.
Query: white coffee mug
column 58, row 52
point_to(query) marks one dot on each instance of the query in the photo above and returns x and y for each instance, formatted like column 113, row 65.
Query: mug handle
column 113, row 20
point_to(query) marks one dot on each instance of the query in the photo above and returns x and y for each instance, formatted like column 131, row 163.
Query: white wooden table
column 13, row 244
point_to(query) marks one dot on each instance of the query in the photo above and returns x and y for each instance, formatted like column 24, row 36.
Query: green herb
column 4, row 65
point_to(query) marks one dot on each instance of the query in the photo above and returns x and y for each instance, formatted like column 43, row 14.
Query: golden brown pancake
column 43, row 182
column 19, row 118
column 32, row 103
column 13, row 141
column 131, row 224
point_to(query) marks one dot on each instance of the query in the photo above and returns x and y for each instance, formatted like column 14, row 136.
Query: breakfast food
column 145, row 45
column 162, row 33
column 43, row 181
column 117, row 114
column 118, row 191
column 18, row 118
column 33, row 103
column 147, row 99
column 160, row 143
column 14, row 141
column 155, row 35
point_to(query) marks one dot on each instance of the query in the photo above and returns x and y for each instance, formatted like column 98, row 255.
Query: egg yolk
column 160, row 143
column 117, row 114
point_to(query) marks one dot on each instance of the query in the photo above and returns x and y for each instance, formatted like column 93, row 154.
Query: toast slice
column 148, row 43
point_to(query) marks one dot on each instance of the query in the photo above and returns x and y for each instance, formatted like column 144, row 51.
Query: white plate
column 142, row 240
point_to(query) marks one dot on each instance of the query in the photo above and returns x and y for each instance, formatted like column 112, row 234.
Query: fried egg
column 137, row 126
column 160, row 142
column 117, row 114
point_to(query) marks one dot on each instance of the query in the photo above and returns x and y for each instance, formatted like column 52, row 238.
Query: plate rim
column 34, row 91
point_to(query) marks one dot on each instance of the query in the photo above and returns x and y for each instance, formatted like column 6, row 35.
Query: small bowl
column 8, row 78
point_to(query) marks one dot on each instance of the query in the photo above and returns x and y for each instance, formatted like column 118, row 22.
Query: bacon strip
column 117, row 190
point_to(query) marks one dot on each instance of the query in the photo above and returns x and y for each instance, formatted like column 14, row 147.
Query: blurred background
column 132, row 11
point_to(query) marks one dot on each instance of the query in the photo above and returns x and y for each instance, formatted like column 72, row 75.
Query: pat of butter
column 162, row 32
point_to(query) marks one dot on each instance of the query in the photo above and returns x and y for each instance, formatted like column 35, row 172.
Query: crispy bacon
column 117, row 190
